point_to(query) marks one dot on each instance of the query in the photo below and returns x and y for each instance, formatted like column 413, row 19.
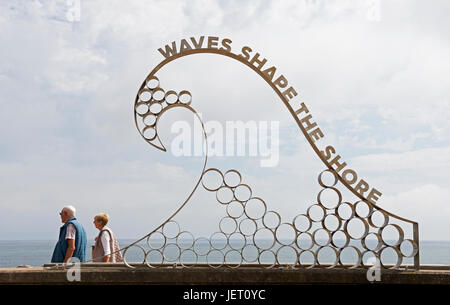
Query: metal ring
column 413, row 244
column 146, row 258
column 236, row 248
column 314, row 259
column 236, row 192
column 302, row 230
column 148, row 240
column 347, row 239
column 364, row 222
column 399, row 257
column 379, row 244
column 267, row 251
column 255, row 240
column 223, row 258
column 189, row 233
column 231, row 171
column 190, row 264
column 298, row 244
column 212, row 170
column 264, row 221
column 214, row 246
column 168, row 95
column 336, row 261
column 358, row 252
column 241, row 230
column 319, row 201
column 251, row 202
column 401, row 234
column 322, row 184
column 125, row 255
column 293, row 230
column 230, row 265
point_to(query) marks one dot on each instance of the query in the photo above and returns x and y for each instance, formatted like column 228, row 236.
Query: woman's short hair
column 102, row 217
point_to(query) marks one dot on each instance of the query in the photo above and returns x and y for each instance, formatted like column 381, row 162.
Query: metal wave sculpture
column 249, row 233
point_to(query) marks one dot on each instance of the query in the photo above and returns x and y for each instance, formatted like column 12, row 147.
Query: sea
column 14, row 253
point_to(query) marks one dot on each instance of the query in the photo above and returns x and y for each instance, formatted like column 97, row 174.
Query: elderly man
column 72, row 238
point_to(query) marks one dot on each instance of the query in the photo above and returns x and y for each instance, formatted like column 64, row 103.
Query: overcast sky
column 375, row 76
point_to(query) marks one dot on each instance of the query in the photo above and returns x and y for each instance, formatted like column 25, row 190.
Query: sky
column 374, row 75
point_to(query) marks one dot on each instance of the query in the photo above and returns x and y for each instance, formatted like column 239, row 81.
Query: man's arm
column 70, row 249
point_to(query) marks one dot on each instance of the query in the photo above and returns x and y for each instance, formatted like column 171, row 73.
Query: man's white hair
column 70, row 210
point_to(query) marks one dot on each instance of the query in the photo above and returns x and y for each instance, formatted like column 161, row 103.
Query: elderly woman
column 106, row 246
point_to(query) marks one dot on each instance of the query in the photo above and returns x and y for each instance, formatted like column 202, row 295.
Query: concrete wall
column 118, row 274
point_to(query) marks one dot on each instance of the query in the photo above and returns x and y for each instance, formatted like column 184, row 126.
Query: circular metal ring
column 168, row 99
column 150, row 264
column 262, row 253
column 248, row 206
column 214, row 245
column 212, row 170
column 347, row 239
column 244, row 256
column 219, row 264
column 315, row 237
column 345, row 204
column 264, row 220
column 230, row 231
column 187, row 265
column 232, row 236
column 298, row 243
column 238, row 189
column 229, row 196
column 336, row 261
column 179, row 241
column 285, row 247
column 232, row 206
column 324, row 224
column 147, row 95
column 322, row 184
column 399, row 257
column 168, row 259
column 125, row 255
column 375, row 254
column 260, row 247
column 298, row 227
column 243, row 231
column 364, row 222
column 358, row 252
column 149, row 119
column 229, row 174
column 158, row 94
column 369, row 209
column 231, row 265
column 379, row 243
column 401, row 234
column 278, row 238
column 165, row 227
column 149, row 133
column 314, row 259
column 197, row 242
column 149, row 243
column 385, row 216
column 414, row 246
column 152, row 82
column 334, row 206
column 309, row 211
column 186, row 101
